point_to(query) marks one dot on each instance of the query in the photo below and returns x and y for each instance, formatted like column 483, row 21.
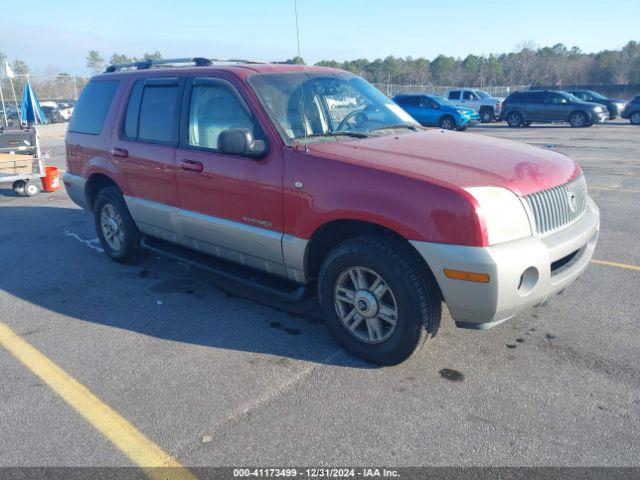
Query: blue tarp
column 31, row 111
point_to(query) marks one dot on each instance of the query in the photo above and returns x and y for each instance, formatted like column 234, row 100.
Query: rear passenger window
column 408, row 101
column 153, row 111
column 93, row 106
column 454, row 95
column 213, row 109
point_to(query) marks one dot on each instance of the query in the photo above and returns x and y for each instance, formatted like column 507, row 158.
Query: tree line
column 527, row 65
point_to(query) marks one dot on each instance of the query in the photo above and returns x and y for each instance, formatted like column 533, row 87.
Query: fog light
column 528, row 281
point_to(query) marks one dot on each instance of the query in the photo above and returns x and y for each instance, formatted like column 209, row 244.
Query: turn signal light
column 468, row 276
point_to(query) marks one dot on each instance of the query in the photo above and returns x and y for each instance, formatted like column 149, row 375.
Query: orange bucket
column 51, row 179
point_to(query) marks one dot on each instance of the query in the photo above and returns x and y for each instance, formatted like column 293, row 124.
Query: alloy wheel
column 112, row 227
column 366, row 304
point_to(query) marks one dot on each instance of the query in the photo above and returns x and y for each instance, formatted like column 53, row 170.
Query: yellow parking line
column 614, row 189
column 142, row 451
column 616, row 264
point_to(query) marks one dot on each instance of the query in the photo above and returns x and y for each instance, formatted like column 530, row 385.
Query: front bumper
column 600, row 117
column 484, row 305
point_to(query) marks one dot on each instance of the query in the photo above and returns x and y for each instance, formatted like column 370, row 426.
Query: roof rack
column 173, row 62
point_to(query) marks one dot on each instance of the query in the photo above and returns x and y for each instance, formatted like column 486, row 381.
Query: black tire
column 415, row 293
column 31, row 189
column 447, row 123
column 130, row 251
column 18, row 186
column 515, row 120
column 486, row 115
column 634, row 118
column 578, row 120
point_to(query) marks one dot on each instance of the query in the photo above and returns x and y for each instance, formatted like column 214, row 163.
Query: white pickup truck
column 486, row 105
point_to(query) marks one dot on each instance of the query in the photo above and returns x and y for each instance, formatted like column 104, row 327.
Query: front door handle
column 192, row 166
column 119, row 152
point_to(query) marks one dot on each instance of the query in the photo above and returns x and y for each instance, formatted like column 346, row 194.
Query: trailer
column 21, row 162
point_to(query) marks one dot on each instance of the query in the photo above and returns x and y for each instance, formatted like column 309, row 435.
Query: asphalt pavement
column 216, row 375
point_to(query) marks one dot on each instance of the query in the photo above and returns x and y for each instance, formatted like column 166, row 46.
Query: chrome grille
column 552, row 209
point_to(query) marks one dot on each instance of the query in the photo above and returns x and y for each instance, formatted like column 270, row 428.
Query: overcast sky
column 58, row 34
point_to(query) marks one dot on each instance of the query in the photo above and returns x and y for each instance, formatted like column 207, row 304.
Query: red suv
column 297, row 179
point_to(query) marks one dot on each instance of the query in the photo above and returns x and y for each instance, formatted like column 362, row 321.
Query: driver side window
column 213, row 109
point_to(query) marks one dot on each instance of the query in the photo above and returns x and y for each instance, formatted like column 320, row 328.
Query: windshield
column 316, row 105
column 443, row 101
column 596, row 95
column 482, row 94
column 571, row 97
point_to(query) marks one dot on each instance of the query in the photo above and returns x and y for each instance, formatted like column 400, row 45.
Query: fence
column 496, row 90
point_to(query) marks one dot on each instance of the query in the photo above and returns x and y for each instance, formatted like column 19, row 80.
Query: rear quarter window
column 93, row 106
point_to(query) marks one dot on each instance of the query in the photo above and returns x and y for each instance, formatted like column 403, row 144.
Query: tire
column 18, row 186
column 447, row 123
column 117, row 232
column 486, row 115
column 411, row 297
column 514, row 119
column 31, row 189
column 634, row 118
column 578, row 120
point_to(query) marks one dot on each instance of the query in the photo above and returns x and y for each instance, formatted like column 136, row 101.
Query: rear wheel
column 447, row 123
column 486, row 115
column 18, row 186
column 377, row 300
column 578, row 120
column 634, row 118
column 514, row 119
column 118, row 233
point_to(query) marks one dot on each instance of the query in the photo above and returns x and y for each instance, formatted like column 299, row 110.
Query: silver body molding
column 75, row 186
column 483, row 305
column 272, row 252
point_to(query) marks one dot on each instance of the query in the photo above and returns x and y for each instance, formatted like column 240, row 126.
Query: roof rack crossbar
column 197, row 61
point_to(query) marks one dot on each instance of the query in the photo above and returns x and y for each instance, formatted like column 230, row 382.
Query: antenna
column 304, row 118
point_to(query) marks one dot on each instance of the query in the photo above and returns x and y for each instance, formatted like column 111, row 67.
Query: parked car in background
column 631, row 111
column 381, row 219
column 488, row 106
column 521, row 109
column 614, row 105
column 57, row 112
column 435, row 111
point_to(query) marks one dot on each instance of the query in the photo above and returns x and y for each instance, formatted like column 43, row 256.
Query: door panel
column 230, row 205
column 144, row 152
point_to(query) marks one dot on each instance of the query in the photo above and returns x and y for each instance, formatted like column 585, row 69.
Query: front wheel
column 378, row 301
column 578, row 120
column 634, row 118
column 486, row 115
column 117, row 232
column 447, row 123
column 31, row 189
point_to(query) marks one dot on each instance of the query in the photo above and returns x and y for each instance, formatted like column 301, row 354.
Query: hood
column 461, row 159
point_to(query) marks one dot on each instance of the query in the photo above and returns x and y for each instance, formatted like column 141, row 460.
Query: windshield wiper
column 400, row 125
column 340, row 133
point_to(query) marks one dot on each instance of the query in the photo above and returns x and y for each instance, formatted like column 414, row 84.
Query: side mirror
column 240, row 141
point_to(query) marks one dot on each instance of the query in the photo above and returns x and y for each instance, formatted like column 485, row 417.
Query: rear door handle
column 192, row 166
column 119, row 152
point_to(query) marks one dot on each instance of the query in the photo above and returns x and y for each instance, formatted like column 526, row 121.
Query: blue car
column 435, row 111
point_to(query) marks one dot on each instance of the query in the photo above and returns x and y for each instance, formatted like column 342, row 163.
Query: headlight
column 503, row 213
column 462, row 112
column 597, row 109
column 621, row 106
